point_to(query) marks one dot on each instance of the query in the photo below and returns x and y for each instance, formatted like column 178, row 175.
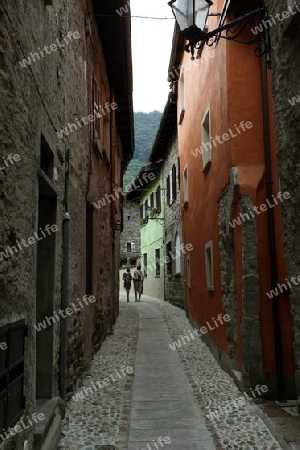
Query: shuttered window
column 96, row 109
column 158, row 199
column 174, row 182
column 152, row 200
column 12, row 346
column 168, row 189
column 171, row 186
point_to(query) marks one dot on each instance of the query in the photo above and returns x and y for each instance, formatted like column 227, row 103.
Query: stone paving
column 103, row 416
column 241, row 428
column 163, row 404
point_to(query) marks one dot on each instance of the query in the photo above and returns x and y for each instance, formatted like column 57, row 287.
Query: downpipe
column 272, row 232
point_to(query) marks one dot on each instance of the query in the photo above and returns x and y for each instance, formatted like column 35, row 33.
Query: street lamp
column 191, row 16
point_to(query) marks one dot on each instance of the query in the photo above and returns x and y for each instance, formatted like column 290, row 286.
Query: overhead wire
column 133, row 17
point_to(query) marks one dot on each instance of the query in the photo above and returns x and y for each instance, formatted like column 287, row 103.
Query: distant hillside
column 146, row 125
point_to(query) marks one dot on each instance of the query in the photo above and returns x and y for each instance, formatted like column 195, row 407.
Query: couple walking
column 138, row 278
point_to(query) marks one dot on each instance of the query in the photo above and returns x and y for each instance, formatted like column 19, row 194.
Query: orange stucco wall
column 227, row 79
column 205, row 86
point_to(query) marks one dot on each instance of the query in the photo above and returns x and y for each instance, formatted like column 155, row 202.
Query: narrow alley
column 178, row 399
column 149, row 225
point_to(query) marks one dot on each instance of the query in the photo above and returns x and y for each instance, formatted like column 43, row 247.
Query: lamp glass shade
column 190, row 13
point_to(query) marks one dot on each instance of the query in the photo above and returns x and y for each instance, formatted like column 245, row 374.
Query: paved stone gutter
column 242, row 428
column 102, row 417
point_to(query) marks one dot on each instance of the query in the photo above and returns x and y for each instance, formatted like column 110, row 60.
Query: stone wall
column 174, row 283
column 131, row 230
column 39, row 100
column 227, row 265
column 250, row 327
column 285, row 61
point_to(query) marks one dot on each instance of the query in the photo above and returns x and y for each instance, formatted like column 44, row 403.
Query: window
column 178, row 254
column 171, row 186
column 152, row 200
column 158, row 199
column 209, row 266
column 185, row 185
column 169, row 258
column 130, row 247
column 189, row 271
column 157, row 262
column 143, row 210
column 168, row 189
column 128, row 217
column 174, row 191
column 291, row 24
column 97, row 106
column 145, row 261
column 206, row 141
column 12, row 401
column 46, row 158
column 106, row 136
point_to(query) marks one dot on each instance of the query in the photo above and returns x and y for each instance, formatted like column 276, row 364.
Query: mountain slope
column 145, row 125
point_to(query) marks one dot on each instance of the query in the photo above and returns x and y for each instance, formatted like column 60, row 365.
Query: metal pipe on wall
column 272, row 231
column 64, row 305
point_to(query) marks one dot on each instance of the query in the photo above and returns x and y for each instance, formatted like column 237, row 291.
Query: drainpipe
column 64, row 305
column 271, row 231
column 115, row 264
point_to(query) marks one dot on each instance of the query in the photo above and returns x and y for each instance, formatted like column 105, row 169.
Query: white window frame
column 209, row 266
column 206, row 140
column 171, row 199
column 185, row 184
column 181, row 96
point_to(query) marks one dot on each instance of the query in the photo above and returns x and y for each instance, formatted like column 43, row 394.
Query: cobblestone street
column 163, row 397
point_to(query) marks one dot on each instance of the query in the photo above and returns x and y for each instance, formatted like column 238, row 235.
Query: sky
column 151, row 50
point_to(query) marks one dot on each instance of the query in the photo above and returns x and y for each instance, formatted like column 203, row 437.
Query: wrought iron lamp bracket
column 234, row 30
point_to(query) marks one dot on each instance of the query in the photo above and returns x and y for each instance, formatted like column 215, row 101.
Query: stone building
column 165, row 150
column 66, row 139
column 285, row 64
column 130, row 242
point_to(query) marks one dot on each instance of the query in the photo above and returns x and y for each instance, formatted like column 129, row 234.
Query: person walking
column 127, row 278
column 138, row 278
